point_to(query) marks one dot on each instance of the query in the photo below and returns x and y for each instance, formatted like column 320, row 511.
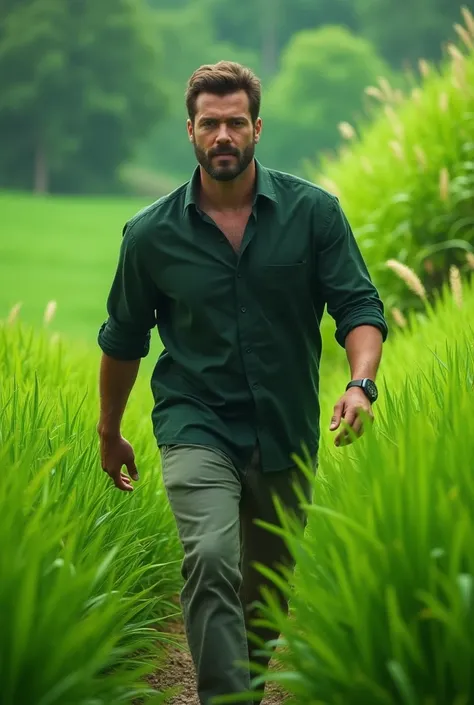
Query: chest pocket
column 280, row 275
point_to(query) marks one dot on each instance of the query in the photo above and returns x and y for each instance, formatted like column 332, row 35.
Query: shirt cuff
column 365, row 317
column 121, row 343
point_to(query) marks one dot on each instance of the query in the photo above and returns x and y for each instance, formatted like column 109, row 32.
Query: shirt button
column 255, row 385
column 243, row 309
column 249, row 350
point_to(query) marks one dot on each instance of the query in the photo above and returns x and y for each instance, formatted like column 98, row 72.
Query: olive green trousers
column 215, row 505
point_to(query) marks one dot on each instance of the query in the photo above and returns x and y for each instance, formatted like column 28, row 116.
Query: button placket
column 249, row 361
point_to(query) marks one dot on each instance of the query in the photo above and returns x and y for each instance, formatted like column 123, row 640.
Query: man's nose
column 223, row 134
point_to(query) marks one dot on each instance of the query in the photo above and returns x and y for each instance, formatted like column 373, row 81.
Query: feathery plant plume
column 394, row 121
column 443, row 102
column 329, row 185
column 14, row 312
column 464, row 35
column 50, row 312
column 420, row 156
column 374, row 92
column 456, row 285
column 386, row 89
column 397, row 149
column 468, row 19
column 410, row 278
column 444, row 184
column 424, row 67
column 346, row 130
column 398, row 317
column 455, row 53
column 470, row 260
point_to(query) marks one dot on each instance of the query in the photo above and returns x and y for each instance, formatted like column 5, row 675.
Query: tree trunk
column 269, row 20
column 41, row 167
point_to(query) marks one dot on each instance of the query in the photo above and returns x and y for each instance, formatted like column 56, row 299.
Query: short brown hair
column 221, row 79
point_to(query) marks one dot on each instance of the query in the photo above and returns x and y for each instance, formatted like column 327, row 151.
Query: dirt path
column 179, row 671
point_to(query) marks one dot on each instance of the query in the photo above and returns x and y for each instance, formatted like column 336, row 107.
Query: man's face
column 223, row 134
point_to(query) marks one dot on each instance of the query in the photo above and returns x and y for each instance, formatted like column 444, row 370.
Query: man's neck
column 228, row 195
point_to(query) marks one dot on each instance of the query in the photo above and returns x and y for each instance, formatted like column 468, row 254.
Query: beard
column 225, row 169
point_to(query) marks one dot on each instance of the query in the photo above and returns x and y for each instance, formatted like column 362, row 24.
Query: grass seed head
column 397, row 149
column 346, row 130
column 444, row 184
column 50, row 312
column 398, row 317
column 374, row 92
column 420, row 156
column 464, row 36
column 456, row 285
column 443, row 102
column 468, row 19
column 14, row 313
column 410, row 277
column 424, row 67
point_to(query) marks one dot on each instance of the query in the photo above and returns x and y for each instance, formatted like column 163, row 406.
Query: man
column 235, row 268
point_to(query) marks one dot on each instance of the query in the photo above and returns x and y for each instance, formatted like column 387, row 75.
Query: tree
column 191, row 30
column 321, row 83
column 80, row 87
column 266, row 26
column 407, row 30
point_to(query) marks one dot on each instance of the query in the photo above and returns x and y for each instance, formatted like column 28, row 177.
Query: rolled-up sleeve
column 344, row 280
column 131, row 304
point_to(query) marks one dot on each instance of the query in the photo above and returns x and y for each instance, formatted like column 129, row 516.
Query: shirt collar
column 264, row 186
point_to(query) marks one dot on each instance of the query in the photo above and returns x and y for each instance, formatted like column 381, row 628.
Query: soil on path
column 178, row 671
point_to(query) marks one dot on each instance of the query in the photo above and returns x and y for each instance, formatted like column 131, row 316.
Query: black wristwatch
column 368, row 386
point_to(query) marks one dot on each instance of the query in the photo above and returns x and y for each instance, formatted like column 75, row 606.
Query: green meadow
column 60, row 249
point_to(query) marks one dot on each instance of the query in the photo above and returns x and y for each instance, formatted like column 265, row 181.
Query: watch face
column 371, row 389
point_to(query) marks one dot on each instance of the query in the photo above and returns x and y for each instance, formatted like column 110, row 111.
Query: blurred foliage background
column 92, row 92
column 372, row 99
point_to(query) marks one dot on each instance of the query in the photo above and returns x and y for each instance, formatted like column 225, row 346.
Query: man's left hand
column 347, row 409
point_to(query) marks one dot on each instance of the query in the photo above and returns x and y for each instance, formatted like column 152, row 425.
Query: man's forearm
column 364, row 351
column 117, row 378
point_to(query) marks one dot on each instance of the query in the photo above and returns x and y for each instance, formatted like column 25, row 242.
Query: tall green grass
column 87, row 572
column 405, row 174
column 383, row 606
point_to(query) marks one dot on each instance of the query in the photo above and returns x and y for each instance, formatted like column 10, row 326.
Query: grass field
column 385, row 573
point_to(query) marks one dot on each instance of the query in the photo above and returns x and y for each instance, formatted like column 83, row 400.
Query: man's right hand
column 115, row 452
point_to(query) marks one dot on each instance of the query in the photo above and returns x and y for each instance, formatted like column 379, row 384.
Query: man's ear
column 190, row 129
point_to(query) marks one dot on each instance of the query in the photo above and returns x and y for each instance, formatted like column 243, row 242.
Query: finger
column 121, row 481
column 337, row 415
column 132, row 469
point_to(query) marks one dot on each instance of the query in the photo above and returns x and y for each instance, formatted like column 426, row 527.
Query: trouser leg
column 261, row 546
column 204, row 490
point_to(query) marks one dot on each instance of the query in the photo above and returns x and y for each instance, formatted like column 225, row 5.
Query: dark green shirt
column 241, row 335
